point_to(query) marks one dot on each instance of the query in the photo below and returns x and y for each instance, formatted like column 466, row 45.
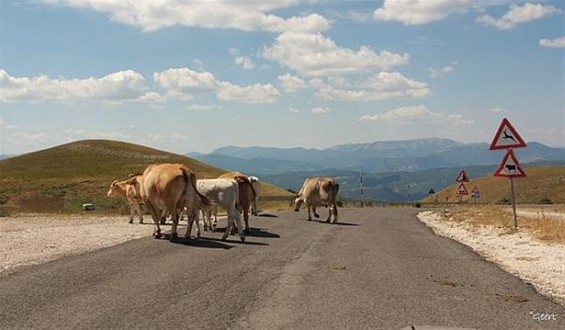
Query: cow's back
column 165, row 185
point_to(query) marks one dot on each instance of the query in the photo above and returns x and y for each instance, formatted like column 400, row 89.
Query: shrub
column 545, row 200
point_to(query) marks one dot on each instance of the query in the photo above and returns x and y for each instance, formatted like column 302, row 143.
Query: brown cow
column 130, row 193
column 166, row 190
column 318, row 191
column 246, row 194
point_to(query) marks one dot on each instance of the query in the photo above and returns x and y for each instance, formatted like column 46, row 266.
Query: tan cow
column 246, row 194
column 130, row 193
column 318, row 191
column 166, row 190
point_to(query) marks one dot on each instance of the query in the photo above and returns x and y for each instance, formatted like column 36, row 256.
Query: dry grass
column 542, row 226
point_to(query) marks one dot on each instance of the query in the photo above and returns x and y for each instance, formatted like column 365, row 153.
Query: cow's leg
column 131, row 213
column 240, row 231
column 195, row 217
column 309, row 214
column 335, row 212
column 156, row 217
column 136, row 209
column 228, row 228
column 175, row 218
column 246, row 219
column 314, row 210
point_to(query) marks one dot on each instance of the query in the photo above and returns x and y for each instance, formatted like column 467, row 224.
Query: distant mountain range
column 396, row 171
column 377, row 157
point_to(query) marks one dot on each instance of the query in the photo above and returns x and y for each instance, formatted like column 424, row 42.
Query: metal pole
column 513, row 199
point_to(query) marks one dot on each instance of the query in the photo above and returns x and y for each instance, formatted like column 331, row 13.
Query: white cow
column 225, row 194
column 318, row 191
column 257, row 188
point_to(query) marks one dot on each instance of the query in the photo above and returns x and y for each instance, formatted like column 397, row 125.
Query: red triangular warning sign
column 462, row 177
column 510, row 167
column 461, row 190
column 507, row 137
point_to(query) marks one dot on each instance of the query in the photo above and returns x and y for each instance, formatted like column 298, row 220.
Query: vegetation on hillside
column 62, row 178
column 542, row 185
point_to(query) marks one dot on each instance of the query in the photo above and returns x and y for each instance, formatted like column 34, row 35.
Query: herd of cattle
column 167, row 190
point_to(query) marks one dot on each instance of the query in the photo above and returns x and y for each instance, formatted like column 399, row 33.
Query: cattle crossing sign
column 510, row 167
column 507, row 137
column 461, row 190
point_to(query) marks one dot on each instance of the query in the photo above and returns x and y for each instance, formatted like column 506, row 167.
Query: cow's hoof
column 242, row 238
column 157, row 235
column 295, row 210
column 131, row 221
column 224, row 238
column 316, row 215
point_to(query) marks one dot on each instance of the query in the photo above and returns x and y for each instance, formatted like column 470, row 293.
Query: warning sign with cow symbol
column 461, row 190
column 510, row 167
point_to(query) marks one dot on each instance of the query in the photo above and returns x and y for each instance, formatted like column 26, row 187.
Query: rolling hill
column 62, row 178
column 543, row 185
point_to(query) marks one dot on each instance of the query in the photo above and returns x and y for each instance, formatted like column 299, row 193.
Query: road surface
column 379, row 268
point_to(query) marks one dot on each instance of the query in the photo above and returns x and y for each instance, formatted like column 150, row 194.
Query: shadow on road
column 234, row 239
column 337, row 224
column 258, row 232
column 267, row 215
column 199, row 242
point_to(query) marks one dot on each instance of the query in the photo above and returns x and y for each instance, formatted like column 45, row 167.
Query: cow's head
column 113, row 189
column 297, row 203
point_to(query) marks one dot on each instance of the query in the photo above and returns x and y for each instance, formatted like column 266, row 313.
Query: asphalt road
column 380, row 268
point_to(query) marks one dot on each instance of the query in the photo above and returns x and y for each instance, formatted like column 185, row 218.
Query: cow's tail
column 190, row 179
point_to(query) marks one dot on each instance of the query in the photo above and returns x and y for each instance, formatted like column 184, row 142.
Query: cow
column 167, row 189
column 257, row 188
column 246, row 194
column 318, row 191
column 130, row 193
column 224, row 193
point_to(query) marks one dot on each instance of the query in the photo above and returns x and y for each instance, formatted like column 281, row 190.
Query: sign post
column 461, row 189
column 507, row 138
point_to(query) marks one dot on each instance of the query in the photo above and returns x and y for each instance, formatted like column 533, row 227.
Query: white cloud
column 293, row 110
column 291, row 83
column 245, row 62
column 119, row 86
column 517, row 15
column 416, row 12
column 186, row 81
column 241, row 15
column 312, row 54
column 321, row 110
column 381, row 86
column 249, row 94
column 498, row 110
column 437, row 73
column 553, row 43
column 416, row 115
column 196, row 107
column 182, row 83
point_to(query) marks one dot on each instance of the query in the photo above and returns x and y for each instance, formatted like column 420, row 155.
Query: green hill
column 62, row 178
column 543, row 184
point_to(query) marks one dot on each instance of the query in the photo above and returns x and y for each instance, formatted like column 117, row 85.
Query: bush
column 545, row 201
column 504, row 201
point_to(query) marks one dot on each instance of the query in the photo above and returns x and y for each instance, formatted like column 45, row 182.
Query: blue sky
column 198, row 75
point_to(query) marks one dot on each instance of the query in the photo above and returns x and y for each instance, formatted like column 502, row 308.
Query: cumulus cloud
column 416, row 115
column 321, row 110
column 417, row 12
column 518, row 14
column 312, row 54
column 292, row 84
column 248, row 94
column 241, row 15
column 498, row 110
column 117, row 86
column 245, row 62
column 381, row 86
column 437, row 73
column 183, row 83
column 553, row 43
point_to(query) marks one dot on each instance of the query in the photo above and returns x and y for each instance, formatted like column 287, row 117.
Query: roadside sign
column 510, row 167
column 461, row 190
column 462, row 177
column 475, row 190
column 507, row 137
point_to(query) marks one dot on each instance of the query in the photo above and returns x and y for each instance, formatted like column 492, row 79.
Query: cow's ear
column 132, row 180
